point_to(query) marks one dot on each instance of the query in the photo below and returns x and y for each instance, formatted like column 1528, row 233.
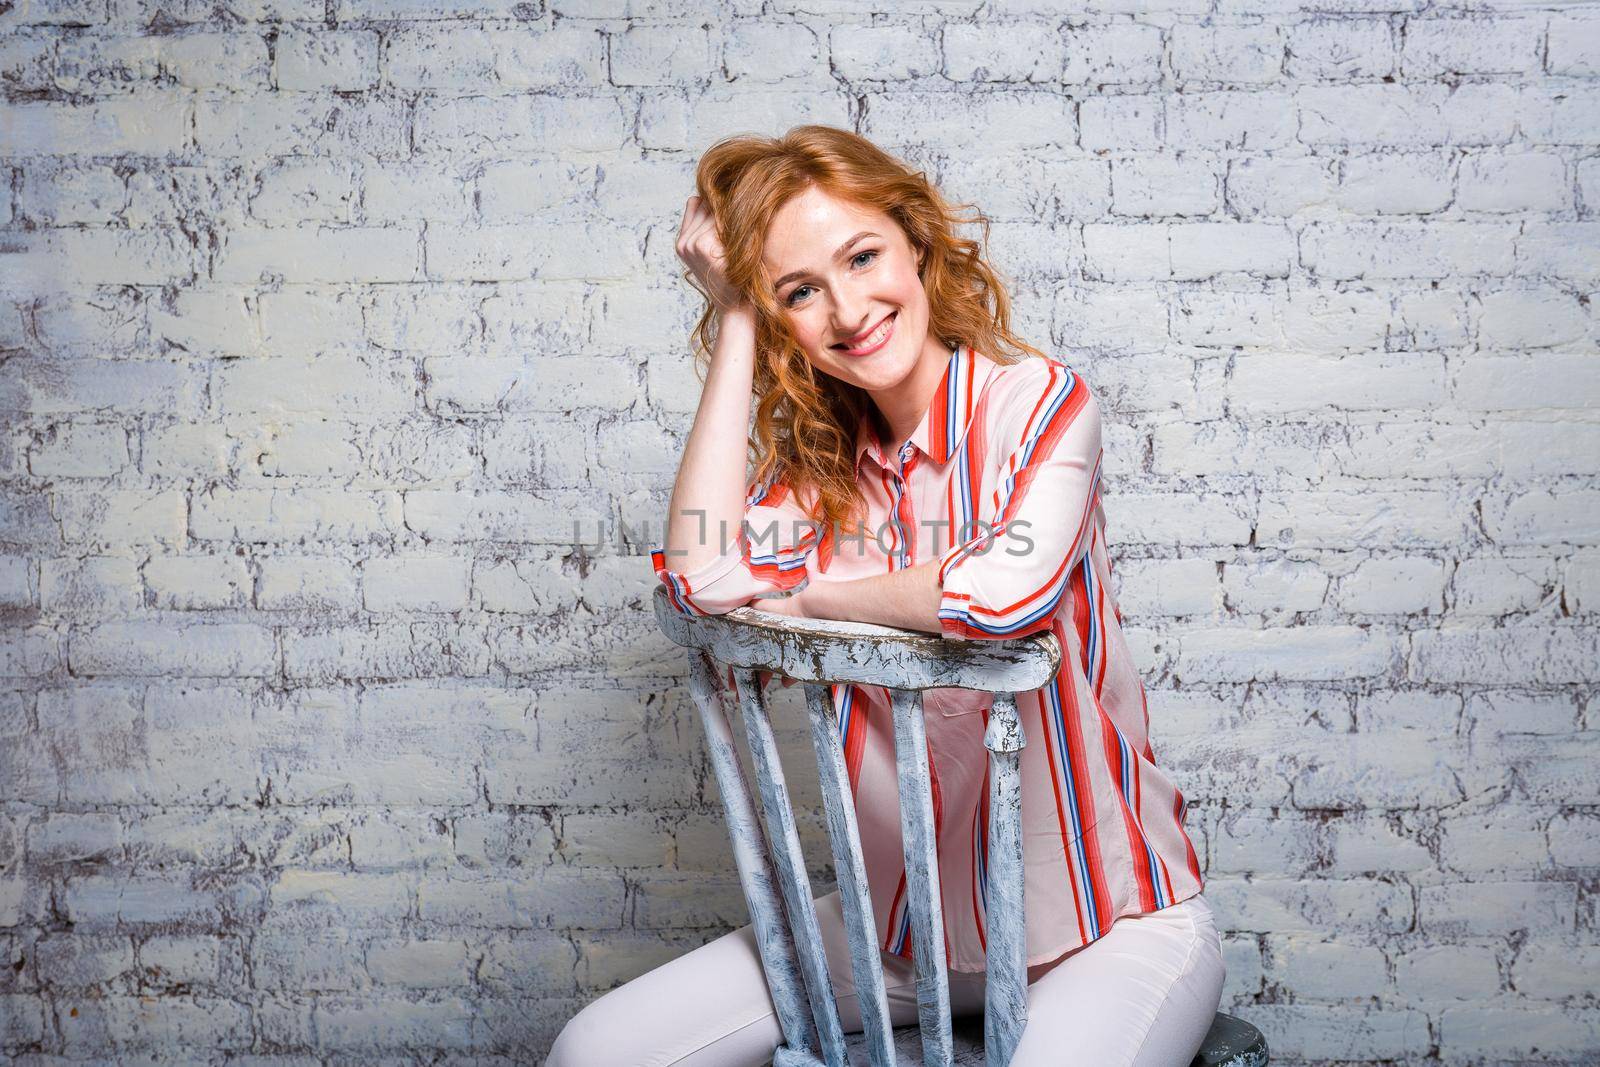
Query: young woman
column 920, row 467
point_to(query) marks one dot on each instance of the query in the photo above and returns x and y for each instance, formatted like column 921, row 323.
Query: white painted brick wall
column 323, row 322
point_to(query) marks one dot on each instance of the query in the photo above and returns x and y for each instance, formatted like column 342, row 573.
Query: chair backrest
column 774, row 880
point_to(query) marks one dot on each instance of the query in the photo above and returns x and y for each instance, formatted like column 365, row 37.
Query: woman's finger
column 688, row 213
column 695, row 222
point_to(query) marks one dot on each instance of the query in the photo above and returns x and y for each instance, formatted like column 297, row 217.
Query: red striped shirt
column 1000, row 483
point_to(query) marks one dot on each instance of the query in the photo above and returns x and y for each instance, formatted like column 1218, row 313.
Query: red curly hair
column 806, row 420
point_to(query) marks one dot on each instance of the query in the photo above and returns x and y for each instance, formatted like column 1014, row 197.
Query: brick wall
column 318, row 737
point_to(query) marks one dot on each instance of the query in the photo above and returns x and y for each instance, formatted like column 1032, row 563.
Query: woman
column 918, row 467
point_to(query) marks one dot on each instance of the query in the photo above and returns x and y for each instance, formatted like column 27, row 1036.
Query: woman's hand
column 792, row 605
column 701, row 250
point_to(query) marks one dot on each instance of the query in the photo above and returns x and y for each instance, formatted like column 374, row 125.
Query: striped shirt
column 1000, row 483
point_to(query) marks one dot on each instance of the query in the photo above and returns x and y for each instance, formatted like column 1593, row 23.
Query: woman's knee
column 589, row 1037
column 689, row 1004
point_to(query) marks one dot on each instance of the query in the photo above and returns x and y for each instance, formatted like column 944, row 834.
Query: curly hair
column 806, row 420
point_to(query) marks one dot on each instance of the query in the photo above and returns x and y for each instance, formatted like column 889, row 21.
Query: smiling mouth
column 873, row 340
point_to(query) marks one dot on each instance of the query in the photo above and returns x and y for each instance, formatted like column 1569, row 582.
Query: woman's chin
column 881, row 370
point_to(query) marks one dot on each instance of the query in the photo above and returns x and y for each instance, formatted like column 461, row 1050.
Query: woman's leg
column 711, row 997
column 710, row 1007
column 1142, row 995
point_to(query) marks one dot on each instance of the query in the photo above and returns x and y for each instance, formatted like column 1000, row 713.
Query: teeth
column 877, row 335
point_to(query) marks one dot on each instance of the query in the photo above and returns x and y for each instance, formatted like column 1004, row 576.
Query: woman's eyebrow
column 841, row 250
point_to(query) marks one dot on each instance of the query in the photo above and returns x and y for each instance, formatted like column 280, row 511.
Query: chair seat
column 966, row 1039
column 1231, row 1042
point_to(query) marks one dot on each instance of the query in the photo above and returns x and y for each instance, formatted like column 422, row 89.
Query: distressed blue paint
column 851, row 868
column 788, row 1057
column 774, row 940
column 820, row 650
column 791, row 864
column 922, row 876
column 1232, row 1042
column 1005, row 1010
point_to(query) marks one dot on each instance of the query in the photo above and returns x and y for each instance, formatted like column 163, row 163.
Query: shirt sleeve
column 769, row 557
column 1006, row 578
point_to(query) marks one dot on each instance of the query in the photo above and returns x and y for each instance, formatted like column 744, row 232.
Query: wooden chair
column 772, row 870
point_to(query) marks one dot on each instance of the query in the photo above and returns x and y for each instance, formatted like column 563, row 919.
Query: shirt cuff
column 966, row 612
column 733, row 579
column 683, row 586
column 956, row 591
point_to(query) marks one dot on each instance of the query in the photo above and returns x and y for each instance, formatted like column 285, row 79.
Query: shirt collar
column 949, row 413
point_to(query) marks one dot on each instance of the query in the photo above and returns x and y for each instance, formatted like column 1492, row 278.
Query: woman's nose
column 849, row 317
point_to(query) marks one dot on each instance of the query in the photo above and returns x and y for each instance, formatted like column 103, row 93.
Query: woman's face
column 846, row 278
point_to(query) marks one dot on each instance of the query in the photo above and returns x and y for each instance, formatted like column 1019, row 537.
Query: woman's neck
column 901, row 406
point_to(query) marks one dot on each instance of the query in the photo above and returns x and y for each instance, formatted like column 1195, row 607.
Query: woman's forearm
column 908, row 599
column 707, row 505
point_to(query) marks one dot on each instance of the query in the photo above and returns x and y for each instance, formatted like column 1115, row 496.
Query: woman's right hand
column 701, row 250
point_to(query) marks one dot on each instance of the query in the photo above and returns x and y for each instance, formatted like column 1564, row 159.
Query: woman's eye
column 797, row 290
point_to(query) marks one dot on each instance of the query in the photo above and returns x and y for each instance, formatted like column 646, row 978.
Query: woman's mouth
column 874, row 340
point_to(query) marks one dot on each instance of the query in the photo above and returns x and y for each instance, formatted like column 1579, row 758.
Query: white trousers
column 1141, row 995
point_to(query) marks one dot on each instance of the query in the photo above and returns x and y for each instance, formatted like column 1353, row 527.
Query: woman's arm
column 908, row 599
column 708, row 497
